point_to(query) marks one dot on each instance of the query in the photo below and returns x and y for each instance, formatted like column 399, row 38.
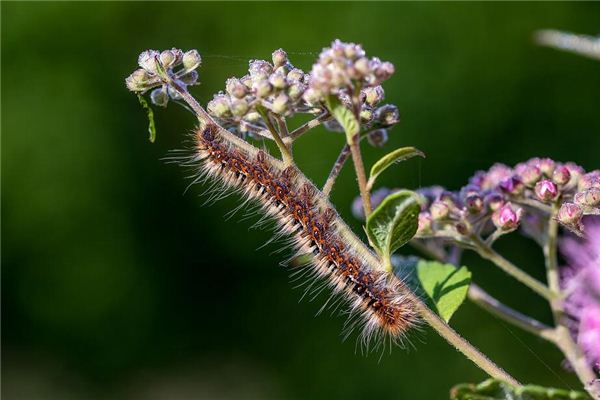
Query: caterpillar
column 377, row 301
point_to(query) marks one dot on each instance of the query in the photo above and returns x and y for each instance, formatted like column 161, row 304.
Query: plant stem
column 336, row 169
column 564, row 340
column 492, row 305
column 285, row 134
column 285, row 152
column 310, row 124
column 490, row 254
column 483, row 299
column 201, row 114
column 535, row 204
column 360, row 174
column 461, row 344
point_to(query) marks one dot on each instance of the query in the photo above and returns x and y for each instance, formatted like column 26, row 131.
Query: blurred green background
column 117, row 285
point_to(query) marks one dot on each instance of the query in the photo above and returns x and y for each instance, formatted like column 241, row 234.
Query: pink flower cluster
column 581, row 280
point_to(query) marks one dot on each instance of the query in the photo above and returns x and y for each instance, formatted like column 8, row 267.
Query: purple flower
column 581, row 279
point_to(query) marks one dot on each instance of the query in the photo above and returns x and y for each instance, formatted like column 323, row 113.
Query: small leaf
column 343, row 116
column 398, row 155
column 493, row 389
column 150, row 113
column 393, row 223
column 446, row 285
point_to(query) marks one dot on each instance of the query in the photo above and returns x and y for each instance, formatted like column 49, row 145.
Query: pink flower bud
column 512, row 185
column 494, row 200
column 425, row 224
column 561, row 175
column 546, row 190
column 570, row 214
column 462, row 228
column 546, row 165
column 576, row 172
column 506, row 218
column 439, row 210
column 591, row 179
column 448, row 198
column 530, row 175
column 474, row 203
column 588, row 198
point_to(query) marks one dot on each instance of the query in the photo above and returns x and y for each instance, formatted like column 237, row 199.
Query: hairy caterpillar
column 377, row 301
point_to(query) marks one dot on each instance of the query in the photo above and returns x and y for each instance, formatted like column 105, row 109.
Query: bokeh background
column 117, row 285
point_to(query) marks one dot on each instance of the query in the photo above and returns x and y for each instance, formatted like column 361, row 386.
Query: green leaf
column 150, row 113
column 445, row 285
column 393, row 223
column 398, row 155
column 343, row 116
column 493, row 389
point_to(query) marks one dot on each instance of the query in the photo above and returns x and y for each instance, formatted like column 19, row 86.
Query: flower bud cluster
column 160, row 70
column 344, row 71
column 343, row 67
column 458, row 214
column 499, row 200
column 544, row 183
column 374, row 118
column 276, row 86
column 284, row 90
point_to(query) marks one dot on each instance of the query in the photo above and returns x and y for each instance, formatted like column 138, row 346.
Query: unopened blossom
column 345, row 66
column 277, row 87
column 570, row 215
column 546, row 190
column 507, row 217
column 162, row 71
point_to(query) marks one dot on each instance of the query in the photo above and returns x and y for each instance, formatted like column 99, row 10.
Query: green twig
column 461, row 344
column 285, row 152
column 310, row 124
column 488, row 253
column 336, row 169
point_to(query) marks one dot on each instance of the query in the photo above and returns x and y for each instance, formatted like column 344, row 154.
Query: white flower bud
column 296, row 90
column 159, row 97
column 219, row 106
column 277, row 80
column 262, row 88
column 168, row 58
column 387, row 115
column 148, row 60
column 259, row 69
column 373, row 95
column 279, row 58
column 138, row 81
column 191, row 78
column 239, row 107
column 295, row 75
column 235, row 88
column 191, row 60
column 280, row 104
